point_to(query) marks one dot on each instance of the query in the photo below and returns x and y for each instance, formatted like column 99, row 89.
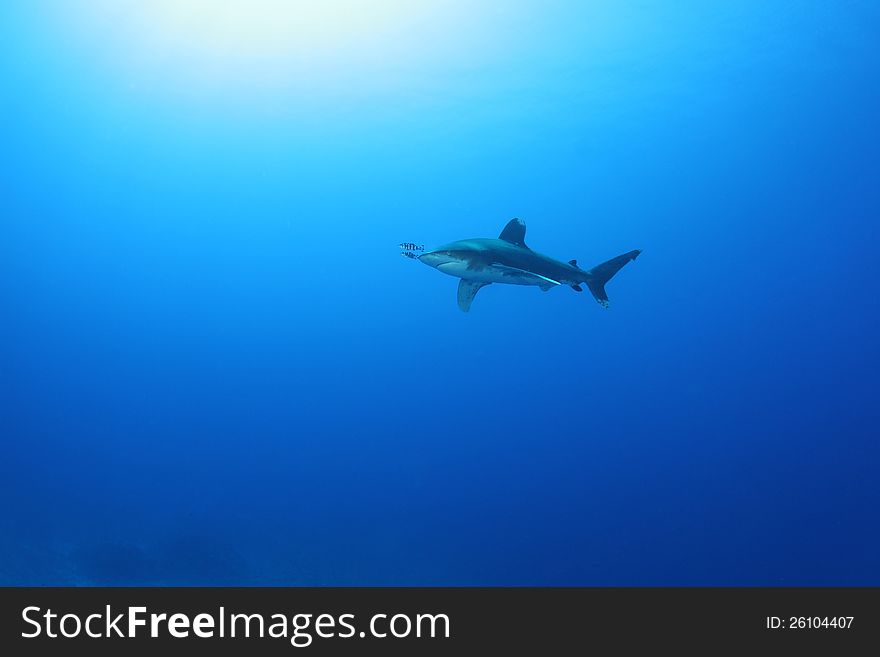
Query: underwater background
column 217, row 369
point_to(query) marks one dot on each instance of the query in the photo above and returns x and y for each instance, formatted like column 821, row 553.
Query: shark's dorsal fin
column 573, row 263
column 515, row 233
column 467, row 290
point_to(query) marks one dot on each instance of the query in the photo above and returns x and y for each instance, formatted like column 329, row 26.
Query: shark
column 481, row 261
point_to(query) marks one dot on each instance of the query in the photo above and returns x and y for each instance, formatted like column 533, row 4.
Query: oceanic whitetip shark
column 482, row 261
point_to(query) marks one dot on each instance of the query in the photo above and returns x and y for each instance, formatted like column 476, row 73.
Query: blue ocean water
column 217, row 369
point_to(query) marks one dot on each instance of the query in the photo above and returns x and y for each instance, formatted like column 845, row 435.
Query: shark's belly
column 492, row 274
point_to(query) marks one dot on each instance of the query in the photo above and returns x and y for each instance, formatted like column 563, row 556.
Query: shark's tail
column 601, row 274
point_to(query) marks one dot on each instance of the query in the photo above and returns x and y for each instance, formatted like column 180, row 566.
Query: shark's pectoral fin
column 467, row 290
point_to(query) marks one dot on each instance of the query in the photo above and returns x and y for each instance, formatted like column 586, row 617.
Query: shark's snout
column 436, row 258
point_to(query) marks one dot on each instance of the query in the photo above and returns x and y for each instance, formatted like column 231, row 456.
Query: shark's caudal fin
column 467, row 290
column 601, row 274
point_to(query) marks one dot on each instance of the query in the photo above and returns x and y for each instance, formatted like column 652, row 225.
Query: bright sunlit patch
column 261, row 44
column 246, row 29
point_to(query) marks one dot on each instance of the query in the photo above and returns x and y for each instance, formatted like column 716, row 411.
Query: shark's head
column 461, row 259
column 443, row 256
